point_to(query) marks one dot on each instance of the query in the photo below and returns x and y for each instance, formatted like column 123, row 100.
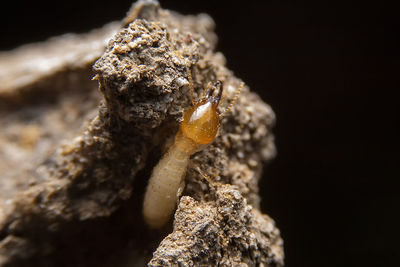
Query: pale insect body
column 199, row 127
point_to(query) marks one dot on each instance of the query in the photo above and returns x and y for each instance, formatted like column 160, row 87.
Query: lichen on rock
column 92, row 183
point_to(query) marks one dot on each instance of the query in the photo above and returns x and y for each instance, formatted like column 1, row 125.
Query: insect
column 199, row 127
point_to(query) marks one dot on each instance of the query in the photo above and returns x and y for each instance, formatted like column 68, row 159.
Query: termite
column 199, row 127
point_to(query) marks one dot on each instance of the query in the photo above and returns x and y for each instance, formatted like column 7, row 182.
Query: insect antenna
column 189, row 73
column 238, row 91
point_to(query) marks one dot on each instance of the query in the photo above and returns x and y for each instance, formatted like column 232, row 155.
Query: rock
column 75, row 164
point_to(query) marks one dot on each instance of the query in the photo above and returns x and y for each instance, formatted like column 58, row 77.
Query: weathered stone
column 74, row 167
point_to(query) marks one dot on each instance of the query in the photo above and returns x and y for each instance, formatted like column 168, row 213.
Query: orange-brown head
column 201, row 121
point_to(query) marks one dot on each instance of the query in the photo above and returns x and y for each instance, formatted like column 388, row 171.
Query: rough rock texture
column 225, row 232
column 30, row 65
column 73, row 181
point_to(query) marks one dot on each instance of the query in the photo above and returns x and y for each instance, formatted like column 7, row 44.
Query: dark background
column 330, row 70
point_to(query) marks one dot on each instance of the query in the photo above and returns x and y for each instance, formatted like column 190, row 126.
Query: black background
column 330, row 70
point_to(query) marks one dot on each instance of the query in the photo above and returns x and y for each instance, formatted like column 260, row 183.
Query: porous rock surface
column 85, row 159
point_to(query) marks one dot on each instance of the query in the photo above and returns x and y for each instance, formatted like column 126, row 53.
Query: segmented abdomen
column 161, row 194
